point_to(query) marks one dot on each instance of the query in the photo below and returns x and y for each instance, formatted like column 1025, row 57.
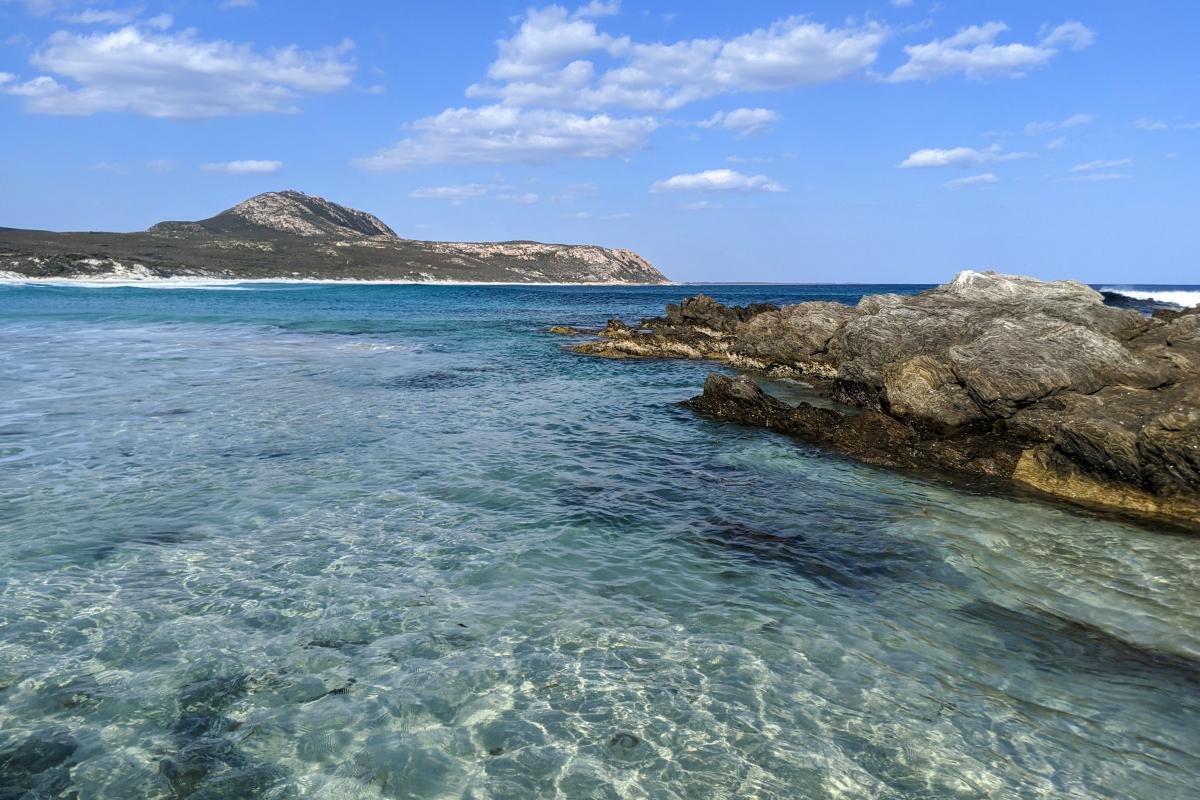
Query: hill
column 293, row 235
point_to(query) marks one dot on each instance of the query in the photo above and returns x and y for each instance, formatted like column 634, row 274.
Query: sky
column 889, row 141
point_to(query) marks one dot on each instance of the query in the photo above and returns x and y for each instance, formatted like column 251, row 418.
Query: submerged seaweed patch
column 832, row 558
column 38, row 765
column 1060, row 644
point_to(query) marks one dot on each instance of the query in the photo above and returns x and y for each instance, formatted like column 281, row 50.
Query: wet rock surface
column 990, row 375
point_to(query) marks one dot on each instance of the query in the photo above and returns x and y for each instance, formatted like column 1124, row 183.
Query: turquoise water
column 394, row 541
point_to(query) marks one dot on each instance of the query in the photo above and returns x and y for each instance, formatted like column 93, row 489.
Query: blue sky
column 773, row 141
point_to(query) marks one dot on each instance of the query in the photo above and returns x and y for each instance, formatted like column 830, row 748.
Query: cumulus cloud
column 174, row 75
column 544, row 63
column 959, row 157
column 549, row 37
column 974, row 52
column 1091, row 166
column 1073, row 121
column 247, row 167
column 502, row 134
column 973, row 180
column 717, row 180
column 743, row 121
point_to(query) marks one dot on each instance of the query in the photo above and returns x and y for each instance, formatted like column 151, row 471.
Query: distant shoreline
column 122, row 281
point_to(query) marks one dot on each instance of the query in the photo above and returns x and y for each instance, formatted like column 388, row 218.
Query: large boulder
column 702, row 311
column 793, row 338
column 925, row 390
column 1011, row 363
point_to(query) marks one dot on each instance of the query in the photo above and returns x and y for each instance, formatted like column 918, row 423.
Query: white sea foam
column 1187, row 299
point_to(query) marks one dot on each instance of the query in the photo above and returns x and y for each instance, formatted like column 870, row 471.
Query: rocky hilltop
column 290, row 234
column 1034, row 383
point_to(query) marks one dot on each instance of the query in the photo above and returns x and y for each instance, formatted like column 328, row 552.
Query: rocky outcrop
column 989, row 375
column 290, row 235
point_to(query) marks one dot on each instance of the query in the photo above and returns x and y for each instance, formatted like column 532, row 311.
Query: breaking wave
column 1170, row 297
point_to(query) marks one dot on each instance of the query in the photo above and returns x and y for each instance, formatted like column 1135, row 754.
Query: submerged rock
column 997, row 375
column 38, row 766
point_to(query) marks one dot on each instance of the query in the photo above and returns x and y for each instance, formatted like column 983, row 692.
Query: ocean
column 394, row 541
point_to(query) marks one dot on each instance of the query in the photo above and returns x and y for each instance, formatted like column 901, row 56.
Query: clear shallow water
column 393, row 541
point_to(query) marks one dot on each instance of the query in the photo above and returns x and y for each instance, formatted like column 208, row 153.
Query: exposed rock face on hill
column 994, row 375
column 288, row 212
column 290, row 234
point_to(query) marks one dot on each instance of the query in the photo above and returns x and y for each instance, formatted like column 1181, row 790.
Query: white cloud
column 455, row 194
column 701, row 205
column 1073, row 121
column 959, row 157
column 7, row 77
column 247, row 167
column 1072, row 34
column 1056, row 144
column 1091, row 166
column 549, row 37
column 599, row 8
column 902, row 3
column 525, row 199
column 176, row 76
column 717, row 180
column 109, row 166
column 973, row 180
column 743, row 121
column 101, row 16
column 544, row 64
column 603, row 217
column 159, row 165
column 1158, row 125
column 501, row 134
column 973, row 51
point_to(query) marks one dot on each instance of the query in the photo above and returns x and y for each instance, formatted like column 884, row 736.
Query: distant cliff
column 290, row 234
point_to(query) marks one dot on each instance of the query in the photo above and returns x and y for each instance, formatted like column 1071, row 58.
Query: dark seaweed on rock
column 990, row 375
